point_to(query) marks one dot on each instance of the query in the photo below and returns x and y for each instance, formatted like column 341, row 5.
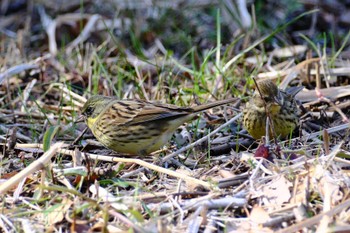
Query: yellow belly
column 254, row 121
column 139, row 139
column 141, row 147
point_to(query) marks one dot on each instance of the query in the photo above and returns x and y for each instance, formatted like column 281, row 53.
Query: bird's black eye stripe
column 267, row 99
column 89, row 110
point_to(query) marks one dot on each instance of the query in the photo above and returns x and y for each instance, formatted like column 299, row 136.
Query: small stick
column 317, row 218
column 33, row 167
column 16, row 70
column 125, row 160
column 80, row 136
column 203, row 139
column 144, row 164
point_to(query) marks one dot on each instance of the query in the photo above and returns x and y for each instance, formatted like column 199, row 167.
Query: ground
column 56, row 178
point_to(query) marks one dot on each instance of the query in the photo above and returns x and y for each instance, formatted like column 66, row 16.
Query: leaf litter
column 197, row 183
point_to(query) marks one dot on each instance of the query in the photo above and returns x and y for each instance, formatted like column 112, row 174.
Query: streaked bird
column 280, row 105
column 137, row 127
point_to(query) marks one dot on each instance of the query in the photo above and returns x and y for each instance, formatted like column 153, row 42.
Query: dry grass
column 54, row 179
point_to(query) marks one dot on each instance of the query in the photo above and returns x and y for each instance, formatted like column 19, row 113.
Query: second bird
column 137, row 127
column 280, row 105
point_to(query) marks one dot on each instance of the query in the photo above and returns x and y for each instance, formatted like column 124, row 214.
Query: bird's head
column 93, row 107
column 267, row 93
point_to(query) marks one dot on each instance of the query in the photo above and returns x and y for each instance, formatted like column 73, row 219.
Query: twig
column 50, row 27
column 221, row 203
column 18, row 134
column 275, row 221
column 211, row 225
column 85, row 33
column 291, row 73
column 329, row 130
column 316, row 219
column 144, row 164
column 125, row 220
column 132, row 173
column 26, row 93
column 79, row 136
column 16, row 70
column 68, row 94
column 140, row 82
column 203, row 139
column 33, row 167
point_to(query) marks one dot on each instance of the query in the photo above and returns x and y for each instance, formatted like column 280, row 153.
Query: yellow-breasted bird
column 280, row 105
column 137, row 127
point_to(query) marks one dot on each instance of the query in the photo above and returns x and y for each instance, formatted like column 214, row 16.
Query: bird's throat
column 91, row 121
column 274, row 109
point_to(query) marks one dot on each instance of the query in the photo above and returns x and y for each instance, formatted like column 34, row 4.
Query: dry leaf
column 57, row 214
column 225, row 174
column 246, row 227
column 277, row 191
column 259, row 215
column 300, row 194
column 325, row 182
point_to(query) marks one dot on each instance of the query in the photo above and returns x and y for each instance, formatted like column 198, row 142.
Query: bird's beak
column 80, row 119
column 279, row 98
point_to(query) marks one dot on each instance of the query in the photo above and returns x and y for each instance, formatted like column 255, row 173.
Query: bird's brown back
column 140, row 127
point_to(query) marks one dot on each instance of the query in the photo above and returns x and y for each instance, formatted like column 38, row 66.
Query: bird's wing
column 131, row 112
column 157, row 111
column 120, row 112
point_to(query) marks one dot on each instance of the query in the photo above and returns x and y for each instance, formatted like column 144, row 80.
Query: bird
column 137, row 127
column 280, row 106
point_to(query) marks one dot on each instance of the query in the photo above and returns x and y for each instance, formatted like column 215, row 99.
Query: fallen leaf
column 58, row 211
column 277, row 191
column 259, row 215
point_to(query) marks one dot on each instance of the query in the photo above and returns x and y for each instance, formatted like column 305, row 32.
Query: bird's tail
column 206, row 106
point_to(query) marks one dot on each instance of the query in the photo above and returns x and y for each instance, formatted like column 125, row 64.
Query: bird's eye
column 88, row 111
column 267, row 99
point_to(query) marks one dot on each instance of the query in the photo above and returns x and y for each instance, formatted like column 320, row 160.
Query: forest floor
column 210, row 177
